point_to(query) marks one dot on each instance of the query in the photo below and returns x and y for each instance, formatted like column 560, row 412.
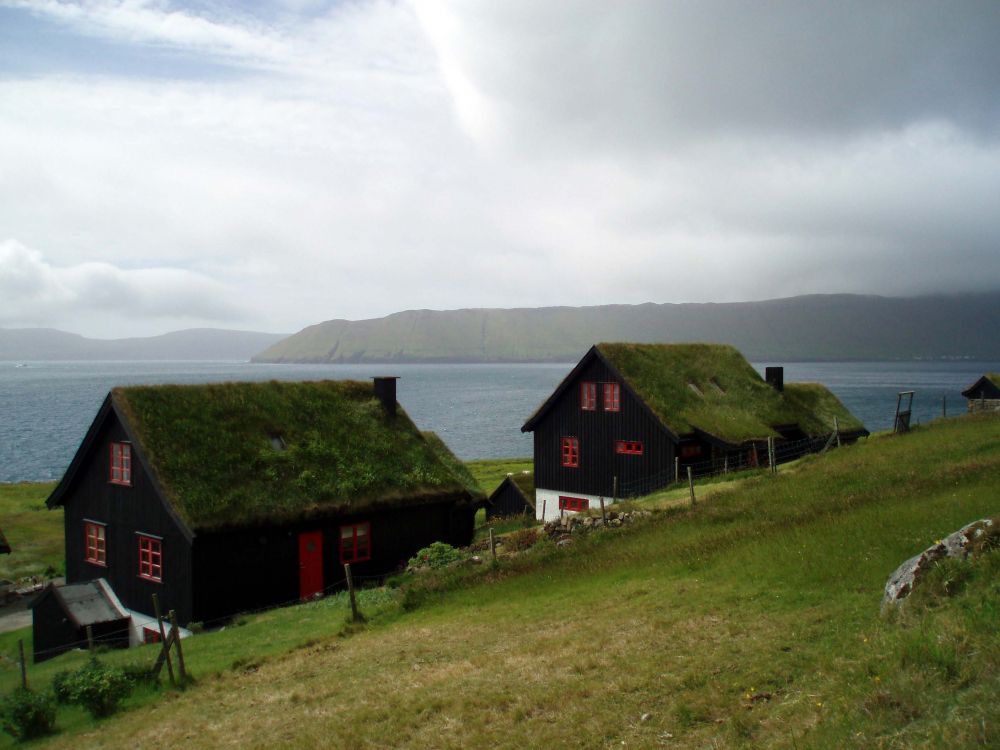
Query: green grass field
column 750, row 621
column 34, row 532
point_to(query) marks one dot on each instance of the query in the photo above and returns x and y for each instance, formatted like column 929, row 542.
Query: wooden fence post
column 691, row 487
column 614, row 490
column 90, row 638
column 836, row 430
column 677, row 468
column 164, row 641
column 725, row 464
column 24, row 667
column 545, row 500
column 770, row 454
column 493, row 546
column 604, row 517
column 355, row 615
column 175, row 634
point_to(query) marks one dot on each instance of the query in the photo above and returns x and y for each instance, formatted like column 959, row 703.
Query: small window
column 687, row 451
column 612, row 397
column 355, row 542
column 575, row 504
column 629, row 447
column 150, row 558
column 121, row 464
column 150, row 635
column 96, row 543
column 571, row 452
column 588, row 396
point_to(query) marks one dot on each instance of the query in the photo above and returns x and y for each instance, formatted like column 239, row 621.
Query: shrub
column 521, row 539
column 437, row 555
column 26, row 714
column 61, row 688
column 98, row 688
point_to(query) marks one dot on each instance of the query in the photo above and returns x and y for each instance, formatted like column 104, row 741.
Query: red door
column 310, row 564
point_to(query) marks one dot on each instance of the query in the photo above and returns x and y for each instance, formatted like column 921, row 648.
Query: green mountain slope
column 802, row 328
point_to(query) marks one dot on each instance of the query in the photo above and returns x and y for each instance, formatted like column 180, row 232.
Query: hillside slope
column 35, row 344
column 797, row 328
column 750, row 621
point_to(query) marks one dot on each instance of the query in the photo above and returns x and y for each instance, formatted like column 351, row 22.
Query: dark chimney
column 385, row 391
column 775, row 376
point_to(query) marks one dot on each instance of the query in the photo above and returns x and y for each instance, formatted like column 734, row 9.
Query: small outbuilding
column 515, row 496
column 984, row 394
column 62, row 614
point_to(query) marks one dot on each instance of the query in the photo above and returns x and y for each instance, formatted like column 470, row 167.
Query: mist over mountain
column 32, row 344
column 813, row 327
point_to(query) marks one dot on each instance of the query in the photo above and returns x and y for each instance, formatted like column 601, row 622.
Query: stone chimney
column 775, row 376
column 385, row 390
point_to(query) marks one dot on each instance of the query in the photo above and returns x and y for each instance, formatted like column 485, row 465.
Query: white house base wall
column 547, row 502
column 140, row 621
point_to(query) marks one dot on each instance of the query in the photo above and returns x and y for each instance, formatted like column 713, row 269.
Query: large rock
column 906, row 576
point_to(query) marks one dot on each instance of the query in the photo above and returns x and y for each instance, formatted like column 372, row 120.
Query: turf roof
column 230, row 454
column 712, row 388
column 457, row 467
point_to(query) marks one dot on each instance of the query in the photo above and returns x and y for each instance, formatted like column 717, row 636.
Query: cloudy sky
column 268, row 165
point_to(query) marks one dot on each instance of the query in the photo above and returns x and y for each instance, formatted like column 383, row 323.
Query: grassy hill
column 838, row 326
column 33, row 344
column 752, row 620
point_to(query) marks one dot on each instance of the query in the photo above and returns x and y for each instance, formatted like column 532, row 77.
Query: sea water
column 46, row 407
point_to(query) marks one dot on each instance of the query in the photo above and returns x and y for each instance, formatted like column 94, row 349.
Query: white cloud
column 379, row 156
column 34, row 292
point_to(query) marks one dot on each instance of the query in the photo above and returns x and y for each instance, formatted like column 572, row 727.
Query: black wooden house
column 227, row 497
column 514, row 496
column 630, row 417
column 984, row 394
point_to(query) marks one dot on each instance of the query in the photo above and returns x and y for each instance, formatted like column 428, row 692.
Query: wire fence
column 108, row 638
column 752, row 457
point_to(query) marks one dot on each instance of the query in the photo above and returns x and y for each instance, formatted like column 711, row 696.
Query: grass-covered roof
column 525, row 481
column 231, row 454
column 976, row 389
column 712, row 388
column 457, row 467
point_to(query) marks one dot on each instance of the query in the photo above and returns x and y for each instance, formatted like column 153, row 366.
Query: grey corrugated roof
column 89, row 604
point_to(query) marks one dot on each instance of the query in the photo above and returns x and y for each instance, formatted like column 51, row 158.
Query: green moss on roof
column 457, row 467
column 238, row 453
column 713, row 388
column 525, row 481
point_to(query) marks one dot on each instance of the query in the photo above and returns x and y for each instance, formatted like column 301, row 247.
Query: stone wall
column 978, row 405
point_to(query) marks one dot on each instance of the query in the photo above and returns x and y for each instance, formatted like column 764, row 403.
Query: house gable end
column 107, row 416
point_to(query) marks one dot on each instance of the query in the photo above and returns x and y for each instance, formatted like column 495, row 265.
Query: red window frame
column 150, row 558
column 120, row 464
column 629, row 447
column 355, row 542
column 96, row 543
column 612, row 397
column 574, row 504
column 150, row 635
column 571, row 452
column 588, row 396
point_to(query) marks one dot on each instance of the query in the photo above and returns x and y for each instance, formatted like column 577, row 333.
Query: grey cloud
column 35, row 292
column 651, row 74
